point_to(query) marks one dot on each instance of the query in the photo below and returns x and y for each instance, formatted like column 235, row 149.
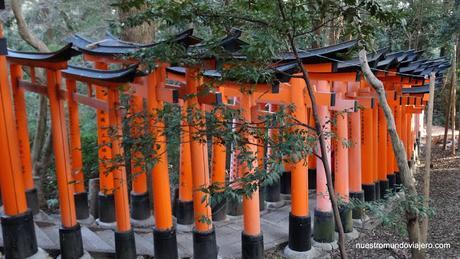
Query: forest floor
column 444, row 226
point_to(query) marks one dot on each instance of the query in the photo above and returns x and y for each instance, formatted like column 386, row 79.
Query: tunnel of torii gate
column 366, row 170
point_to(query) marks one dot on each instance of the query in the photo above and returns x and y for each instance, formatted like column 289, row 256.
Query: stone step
column 93, row 243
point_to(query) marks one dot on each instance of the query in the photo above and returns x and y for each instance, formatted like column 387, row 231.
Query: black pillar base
column 346, row 219
column 234, row 207
column 323, row 228
column 384, row 189
column 410, row 163
column 377, row 191
column 165, row 244
column 106, row 208
column 358, row 198
column 272, row 192
column 140, row 206
column 285, row 183
column 369, row 192
column 32, row 201
column 19, row 239
column 299, row 233
column 392, row 182
column 219, row 210
column 252, row 246
column 71, row 242
column 204, row 245
column 261, row 198
column 125, row 246
column 184, row 212
column 81, row 205
column 311, row 179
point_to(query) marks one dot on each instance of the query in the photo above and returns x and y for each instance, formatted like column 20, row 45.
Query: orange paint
column 367, row 147
column 382, row 146
column 20, row 109
column 199, row 155
column 75, row 139
column 61, row 151
column 160, row 175
column 139, row 177
column 103, row 139
column 120, row 182
column 11, row 178
column 375, row 145
column 299, row 170
column 251, row 212
column 354, row 152
column 185, row 170
column 323, row 202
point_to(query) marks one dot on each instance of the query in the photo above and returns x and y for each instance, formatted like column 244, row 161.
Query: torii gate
column 69, row 233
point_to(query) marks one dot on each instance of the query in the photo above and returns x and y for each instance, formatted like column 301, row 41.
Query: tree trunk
column 144, row 33
column 454, row 97
column 426, row 176
column 399, row 151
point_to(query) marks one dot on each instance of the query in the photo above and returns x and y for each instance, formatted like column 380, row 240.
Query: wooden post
column 426, row 176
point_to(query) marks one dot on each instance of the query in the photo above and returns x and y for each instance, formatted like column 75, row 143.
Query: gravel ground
column 444, row 226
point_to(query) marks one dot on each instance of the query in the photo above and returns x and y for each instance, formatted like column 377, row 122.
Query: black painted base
column 165, row 244
column 204, row 245
column 106, row 208
column 32, row 201
column 252, row 247
column 19, row 239
column 71, row 242
column 285, row 183
column 346, row 219
column 299, row 233
column 234, row 207
column 261, row 198
column 323, row 228
column 184, row 212
column 398, row 181
column 140, row 206
column 219, row 211
column 410, row 163
column 125, row 246
column 311, row 179
column 81, row 205
column 357, row 198
column 384, row 189
column 272, row 192
column 369, row 192
column 377, row 191
column 392, row 182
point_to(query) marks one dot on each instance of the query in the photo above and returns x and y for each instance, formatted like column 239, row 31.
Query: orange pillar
column 184, row 210
column 399, row 129
column 204, row 234
column 19, row 239
column 391, row 162
column 299, row 218
column 382, row 153
column 311, row 157
column 367, row 156
column 70, row 234
column 375, row 150
column 252, row 238
column 165, row 242
column 124, row 235
column 354, row 160
column 80, row 195
column 105, row 198
column 324, row 221
column 140, row 202
column 218, row 174
column 23, row 135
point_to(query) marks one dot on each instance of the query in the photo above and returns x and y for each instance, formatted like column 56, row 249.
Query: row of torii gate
column 365, row 171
